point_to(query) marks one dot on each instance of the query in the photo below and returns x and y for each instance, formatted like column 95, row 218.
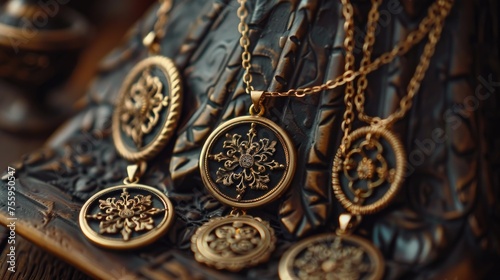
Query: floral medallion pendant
column 367, row 176
column 247, row 162
column 233, row 242
column 126, row 217
column 148, row 109
column 329, row 256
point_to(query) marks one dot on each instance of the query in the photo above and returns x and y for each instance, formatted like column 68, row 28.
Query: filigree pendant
column 329, row 256
column 247, row 162
column 126, row 216
column 368, row 174
column 233, row 242
column 148, row 109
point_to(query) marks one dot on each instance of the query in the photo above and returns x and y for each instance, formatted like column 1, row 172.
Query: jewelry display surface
column 448, row 203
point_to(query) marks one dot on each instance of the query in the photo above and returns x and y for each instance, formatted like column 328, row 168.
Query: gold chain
column 152, row 40
column 349, row 75
column 246, row 56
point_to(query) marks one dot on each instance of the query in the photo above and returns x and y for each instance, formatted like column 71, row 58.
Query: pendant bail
column 152, row 43
column 134, row 172
column 257, row 99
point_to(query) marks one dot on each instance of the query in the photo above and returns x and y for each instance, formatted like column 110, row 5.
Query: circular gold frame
column 400, row 165
column 204, row 254
column 281, row 186
column 145, row 239
column 287, row 261
column 174, row 109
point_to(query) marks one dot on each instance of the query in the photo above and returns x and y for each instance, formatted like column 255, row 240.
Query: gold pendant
column 148, row 109
column 329, row 256
column 365, row 177
column 233, row 242
column 126, row 216
column 247, row 162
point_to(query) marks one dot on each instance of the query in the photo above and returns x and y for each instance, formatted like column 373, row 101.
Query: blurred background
column 49, row 52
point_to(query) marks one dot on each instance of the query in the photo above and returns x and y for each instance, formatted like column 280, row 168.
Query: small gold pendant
column 148, row 109
column 329, row 256
column 366, row 171
column 126, row 216
column 247, row 162
column 233, row 242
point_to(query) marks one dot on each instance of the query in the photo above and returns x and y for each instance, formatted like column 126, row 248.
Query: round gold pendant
column 328, row 256
column 247, row 162
column 148, row 108
column 233, row 242
column 126, row 216
column 367, row 176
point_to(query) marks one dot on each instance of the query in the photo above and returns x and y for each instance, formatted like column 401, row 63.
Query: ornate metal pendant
column 233, row 242
column 126, row 217
column 367, row 176
column 329, row 256
column 148, row 109
column 247, row 162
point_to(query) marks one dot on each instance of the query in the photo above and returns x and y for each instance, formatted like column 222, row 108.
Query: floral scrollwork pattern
column 235, row 240
column 246, row 163
column 365, row 163
column 126, row 214
column 141, row 106
column 331, row 261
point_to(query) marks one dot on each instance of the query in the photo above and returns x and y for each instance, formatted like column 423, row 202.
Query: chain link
column 152, row 40
column 246, row 56
column 431, row 25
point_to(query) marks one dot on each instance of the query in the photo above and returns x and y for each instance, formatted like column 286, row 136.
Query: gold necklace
column 146, row 114
column 249, row 161
column 361, row 168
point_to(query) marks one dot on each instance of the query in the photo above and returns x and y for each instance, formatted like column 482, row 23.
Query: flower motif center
column 142, row 105
column 366, row 169
column 246, row 161
column 127, row 213
column 329, row 266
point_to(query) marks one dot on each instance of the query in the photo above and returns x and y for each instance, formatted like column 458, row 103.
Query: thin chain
column 348, row 12
column 161, row 21
column 435, row 17
column 246, row 56
column 152, row 40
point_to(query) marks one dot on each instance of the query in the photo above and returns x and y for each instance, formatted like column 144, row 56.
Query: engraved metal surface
column 148, row 108
column 247, row 162
column 233, row 242
column 126, row 217
column 328, row 256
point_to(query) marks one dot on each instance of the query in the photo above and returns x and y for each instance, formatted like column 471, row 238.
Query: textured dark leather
column 444, row 224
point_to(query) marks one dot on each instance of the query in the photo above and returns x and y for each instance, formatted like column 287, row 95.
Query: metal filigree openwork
column 328, row 256
column 365, row 163
column 331, row 261
column 234, row 240
column 126, row 215
column 247, row 162
column 141, row 107
column 363, row 179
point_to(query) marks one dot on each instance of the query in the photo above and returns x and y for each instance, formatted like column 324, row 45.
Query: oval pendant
column 247, row 162
column 233, row 242
column 328, row 256
column 148, row 109
column 367, row 176
column 126, row 216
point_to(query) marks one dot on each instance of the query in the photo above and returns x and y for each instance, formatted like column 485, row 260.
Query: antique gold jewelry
column 146, row 114
column 150, row 99
column 362, row 166
column 245, row 163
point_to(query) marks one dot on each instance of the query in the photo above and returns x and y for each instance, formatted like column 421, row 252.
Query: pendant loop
column 257, row 99
column 134, row 172
column 152, row 43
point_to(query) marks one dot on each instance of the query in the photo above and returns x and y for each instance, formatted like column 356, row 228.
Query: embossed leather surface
column 445, row 223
